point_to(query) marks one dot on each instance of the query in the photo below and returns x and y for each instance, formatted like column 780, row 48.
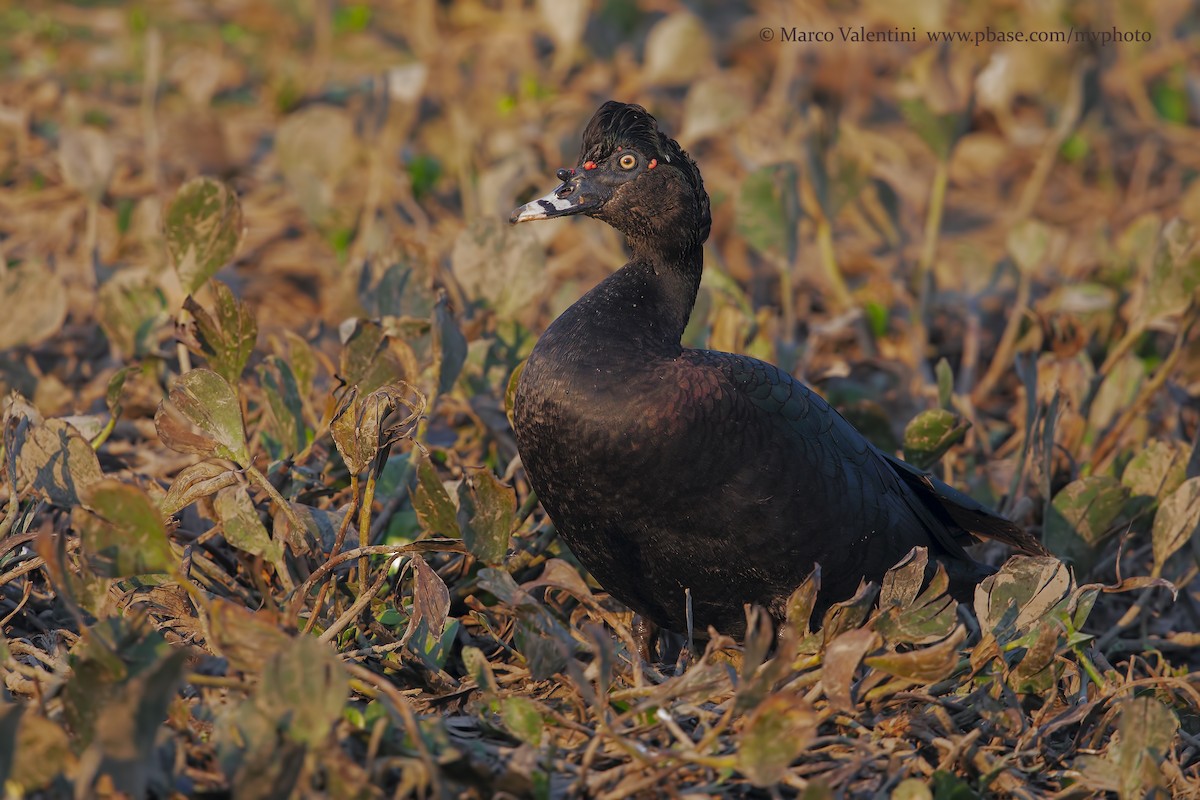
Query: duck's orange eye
column 628, row 161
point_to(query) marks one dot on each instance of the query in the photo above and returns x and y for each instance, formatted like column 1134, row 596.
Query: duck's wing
column 852, row 474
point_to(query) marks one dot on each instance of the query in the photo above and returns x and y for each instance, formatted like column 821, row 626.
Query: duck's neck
column 642, row 308
column 677, row 272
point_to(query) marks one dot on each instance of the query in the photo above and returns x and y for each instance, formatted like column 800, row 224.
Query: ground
column 265, row 528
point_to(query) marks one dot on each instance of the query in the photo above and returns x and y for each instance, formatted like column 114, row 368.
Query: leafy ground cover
column 264, row 528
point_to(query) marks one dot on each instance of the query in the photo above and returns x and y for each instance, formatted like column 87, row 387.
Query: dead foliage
column 264, row 529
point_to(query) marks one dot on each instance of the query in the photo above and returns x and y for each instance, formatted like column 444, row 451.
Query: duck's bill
column 568, row 198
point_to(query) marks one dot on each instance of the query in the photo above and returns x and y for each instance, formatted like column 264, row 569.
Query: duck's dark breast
column 667, row 476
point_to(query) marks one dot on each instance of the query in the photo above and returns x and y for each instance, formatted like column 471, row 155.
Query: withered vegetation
column 264, row 527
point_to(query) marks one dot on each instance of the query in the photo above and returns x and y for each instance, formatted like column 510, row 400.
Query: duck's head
column 633, row 177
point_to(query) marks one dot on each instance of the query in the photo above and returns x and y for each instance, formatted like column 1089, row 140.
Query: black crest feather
column 630, row 125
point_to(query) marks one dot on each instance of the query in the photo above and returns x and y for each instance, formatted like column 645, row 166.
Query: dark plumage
column 667, row 469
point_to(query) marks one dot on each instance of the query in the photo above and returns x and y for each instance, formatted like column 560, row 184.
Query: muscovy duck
column 669, row 470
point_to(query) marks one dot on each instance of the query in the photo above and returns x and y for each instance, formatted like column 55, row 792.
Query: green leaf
column 203, row 227
column 1157, row 469
column 510, row 391
column 433, row 648
column 34, row 300
column 227, row 336
column 940, row 132
column 945, row 383
column 1116, row 392
column 367, row 360
column 545, row 644
column 948, row 786
column 303, row 690
column 502, row 264
column 802, row 601
column 486, row 514
column 480, row 670
column 316, row 149
column 202, row 415
column 114, row 662
column 303, row 362
column 241, row 526
column 1174, row 273
column 1144, row 735
column 433, row 504
column 775, row 734
column 1027, row 243
column 925, row 664
column 286, row 421
column 847, row 615
column 928, row 618
column 112, row 395
column 42, row 753
column 246, row 637
column 843, row 653
column 768, row 211
column 912, row 789
column 318, row 528
column 358, row 427
column 132, row 311
column 902, row 583
column 56, row 461
column 123, row 743
column 523, row 719
column 676, row 51
column 1083, row 516
column 930, row 434
column 1037, row 671
column 502, row 586
column 1176, row 522
column 401, row 291
column 449, row 345
column 10, row 721
column 877, row 315
column 1170, row 99
column 1032, row 585
column 126, row 534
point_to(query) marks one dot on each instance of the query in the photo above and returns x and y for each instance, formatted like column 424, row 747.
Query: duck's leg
column 645, row 636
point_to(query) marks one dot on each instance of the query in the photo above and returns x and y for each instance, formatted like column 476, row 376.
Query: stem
column 1122, row 347
column 924, row 274
column 283, row 504
column 364, row 529
column 1107, row 447
column 833, row 273
column 89, row 241
column 787, row 301
column 527, row 508
column 185, row 358
column 103, row 435
column 1090, row 668
column 316, row 608
column 377, row 686
column 1069, row 114
column 151, row 76
column 423, row 546
column 344, row 526
column 361, row 602
column 1008, row 342
column 285, row 576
